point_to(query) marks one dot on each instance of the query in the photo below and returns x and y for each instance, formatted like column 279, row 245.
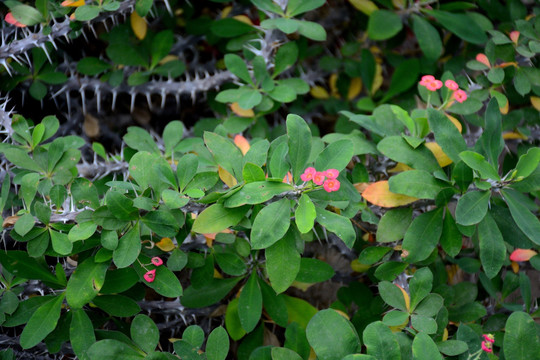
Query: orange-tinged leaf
column 226, row 177
column 515, row 266
column 439, row 154
column 360, row 187
column 241, row 112
column 483, row 59
column 354, row 88
column 514, row 36
column 288, row 178
column 378, row 79
column 10, row 221
column 365, row 6
column 506, row 64
column 535, row 101
column 73, row 3
column 242, row 144
column 455, row 122
column 399, row 168
column 504, row 109
column 522, row 254
column 138, row 25
column 378, row 193
column 165, row 244
column 244, row 19
column 513, row 135
column 318, row 92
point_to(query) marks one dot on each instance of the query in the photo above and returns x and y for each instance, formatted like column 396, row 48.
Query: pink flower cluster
column 328, row 179
column 487, row 344
column 150, row 275
column 432, row 84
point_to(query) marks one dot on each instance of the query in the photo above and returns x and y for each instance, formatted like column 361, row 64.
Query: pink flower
column 150, row 276
column 308, row 174
column 483, row 59
column 318, row 178
column 157, row 261
column 460, row 96
column 451, row 84
column 434, row 85
column 489, row 337
column 514, row 36
column 10, row 19
column 331, row 173
column 331, row 185
column 426, row 79
column 522, row 255
column 487, row 346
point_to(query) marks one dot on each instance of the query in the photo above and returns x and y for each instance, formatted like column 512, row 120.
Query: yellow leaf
column 242, row 143
column 365, row 6
column 513, row 135
column 378, row 193
column 358, row 267
column 302, row 286
column 73, row 3
column 378, row 79
column 226, row 177
column 441, row 157
column 342, row 314
column 217, row 274
column 455, row 122
column 165, row 244
column 318, row 92
column 226, row 11
column 504, row 109
column 515, row 266
column 168, row 58
column 398, row 4
column 138, row 24
column 244, row 19
column 354, row 88
column 406, row 297
column 240, row 111
column 333, row 85
column 535, row 101
column 399, row 168
column 445, row 334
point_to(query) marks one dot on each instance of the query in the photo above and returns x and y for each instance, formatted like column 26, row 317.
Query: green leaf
column 232, row 321
column 21, row 159
column 311, row 30
column 372, row 254
column 397, row 149
column 172, row 135
column 173, row 199
column 249, row 99
column 446, row 135
column 282, row 262
column 284, row 354
column 424, row 324
column 166, row 283
column 452, row 347
column 392, row 295
column 257, row 192
column 250, row 304
column 383, row 24
column 82, row 231
column 60, row 242
column 527, row 163
column 286, row 56
column 38, row 90
column 139, row 139
column 162, row 222
column 492, row 247
column 299, row 140
column 477, row 162
column 252, row 173
column 25, row 14
column 423, row 235
column 19, row 263
column 229, row 28
column 305, row 214
column 194, row 335
column 380, row 342
column 521, row 340
column 472, row 207
column 424, row 348
column 416, row 183
column 420, row 286
column 29, row 185
column 144, row 332
column 129, row 247
column 117, row 305
column 186, row 169
column 393, row 224
column 274, row 304
column 336, row 156
column 81, row 333
column 525, row 220
column 42, row 323
column 237, row 66
column 451, row 239
column 395, row 318
column 121, row 207
column 297, row 7
column 111, row 349
column 216, row 218
column 339, row 225
column 404, row 77
column 313, row 271
column 139, row 169
column 161, row 46
column 226, row 154
column 271, row 224
column 491, row 141
column 331, row 335
column 428, row 38
column 461, row 25
column 217, row 345
column 208, row 294
column 85, row 282
column 87, row 12
column 24, row 224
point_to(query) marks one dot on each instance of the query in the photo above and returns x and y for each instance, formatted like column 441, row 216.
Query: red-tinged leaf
column 522, row 254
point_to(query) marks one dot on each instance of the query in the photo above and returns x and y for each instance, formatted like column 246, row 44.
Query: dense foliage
column 348, row 180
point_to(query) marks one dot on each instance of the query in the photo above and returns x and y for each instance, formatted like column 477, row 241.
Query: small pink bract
column 483, row 59
column 460, row 96
column 426, row 79
column 157, row 261
column 331, row 185
column 332, row 174
column 451, row 84
column 318, row 178
column 489, row 337
column 308, row 174
column 150, row 276
column 486, row 346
